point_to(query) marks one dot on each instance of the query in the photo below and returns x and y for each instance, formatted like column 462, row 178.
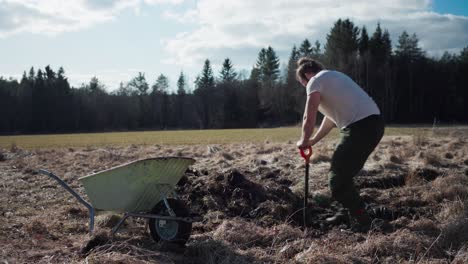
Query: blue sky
column 114, row 40
column 456, row 7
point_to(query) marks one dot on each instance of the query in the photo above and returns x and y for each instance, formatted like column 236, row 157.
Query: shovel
column 306, row 153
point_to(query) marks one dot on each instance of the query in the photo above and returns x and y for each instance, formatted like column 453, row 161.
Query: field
column 245, row 188
column 182, row 137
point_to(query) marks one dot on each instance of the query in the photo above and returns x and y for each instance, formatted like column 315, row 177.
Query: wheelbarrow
column 143, row 188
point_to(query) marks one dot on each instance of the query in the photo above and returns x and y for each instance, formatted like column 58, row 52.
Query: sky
column 115, row 39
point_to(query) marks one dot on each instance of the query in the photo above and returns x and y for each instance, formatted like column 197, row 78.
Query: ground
column 246, row 197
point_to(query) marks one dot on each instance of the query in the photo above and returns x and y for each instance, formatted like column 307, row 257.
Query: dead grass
column 242, row 193
column 452, row 188
column 317, row 158
column 461, row 256
column 213, row 252
column 401, row 245
column 433, row 159
column 122, row 252
column 420, row 140
column 37, row 227
column 234, row 232
column 457, row 143
column 420, row 176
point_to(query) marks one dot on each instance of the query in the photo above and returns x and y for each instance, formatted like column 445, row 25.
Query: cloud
column 153, row 2
column 230, row 28
column 57, row 16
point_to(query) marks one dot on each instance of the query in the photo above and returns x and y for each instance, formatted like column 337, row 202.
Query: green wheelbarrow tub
column 135, row 189
column 136, row 186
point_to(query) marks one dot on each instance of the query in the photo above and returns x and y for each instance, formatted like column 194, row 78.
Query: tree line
column 407, row 84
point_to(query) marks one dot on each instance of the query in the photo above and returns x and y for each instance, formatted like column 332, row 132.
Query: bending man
column 347, row 106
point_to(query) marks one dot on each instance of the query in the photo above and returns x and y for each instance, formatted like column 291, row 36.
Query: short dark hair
column 307, row 65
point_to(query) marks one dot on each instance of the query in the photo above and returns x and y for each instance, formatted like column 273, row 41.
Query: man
column 346, row 105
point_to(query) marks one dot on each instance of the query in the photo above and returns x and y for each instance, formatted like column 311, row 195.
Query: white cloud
column 57, row 16
column 242, row 27
column 174, row 2
column 239, row 28
column 190, row 16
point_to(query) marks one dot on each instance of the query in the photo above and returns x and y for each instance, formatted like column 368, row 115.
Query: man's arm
column 308, row 123
column 325, row 128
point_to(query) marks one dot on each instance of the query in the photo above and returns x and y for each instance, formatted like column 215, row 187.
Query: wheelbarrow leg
column 121, row 221
column 76, row 195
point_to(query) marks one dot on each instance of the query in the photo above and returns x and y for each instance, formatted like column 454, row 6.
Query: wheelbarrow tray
column 133, row 189
column 136, row 186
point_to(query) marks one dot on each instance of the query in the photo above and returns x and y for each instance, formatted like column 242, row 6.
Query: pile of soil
column 265, row 199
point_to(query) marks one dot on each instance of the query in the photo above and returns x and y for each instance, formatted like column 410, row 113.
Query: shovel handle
column 306, row 153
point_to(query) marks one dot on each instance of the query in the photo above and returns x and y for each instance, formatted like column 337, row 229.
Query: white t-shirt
column 342, row 100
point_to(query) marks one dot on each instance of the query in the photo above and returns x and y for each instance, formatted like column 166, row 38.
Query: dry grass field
column 177, row 137
column 245, row 188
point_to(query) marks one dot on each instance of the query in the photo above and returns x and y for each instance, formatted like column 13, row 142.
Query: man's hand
column 303, row 144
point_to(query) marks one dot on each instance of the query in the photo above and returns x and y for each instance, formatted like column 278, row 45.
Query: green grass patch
column 178, row 137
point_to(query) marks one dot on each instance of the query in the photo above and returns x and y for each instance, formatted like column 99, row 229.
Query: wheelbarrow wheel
column 172, row 231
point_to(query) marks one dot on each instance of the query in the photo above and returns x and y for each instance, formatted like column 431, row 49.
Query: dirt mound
column 265, row 199
column 235, row 194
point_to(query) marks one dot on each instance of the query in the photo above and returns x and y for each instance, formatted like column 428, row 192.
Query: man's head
column 306, row 69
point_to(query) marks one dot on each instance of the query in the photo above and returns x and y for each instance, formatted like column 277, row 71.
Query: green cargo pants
column 358, row 140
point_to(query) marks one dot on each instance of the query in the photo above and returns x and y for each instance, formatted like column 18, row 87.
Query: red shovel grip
column 306, row 153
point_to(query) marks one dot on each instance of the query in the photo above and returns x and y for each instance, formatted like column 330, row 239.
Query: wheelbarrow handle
column 75, row 194
column 306, row 153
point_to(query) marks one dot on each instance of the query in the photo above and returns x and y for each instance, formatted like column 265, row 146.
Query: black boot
column 361, row 221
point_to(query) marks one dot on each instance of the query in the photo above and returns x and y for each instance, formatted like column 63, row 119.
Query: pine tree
column 95, row 86
column 31, row 75
column 293, row 57
column 363, row 41
column 255, row 74
column 271, row 70
column 260, row 65
column 205, row 81
column 293, row 94
column 305, row 50
column 161, row 86
column 139, row 85
column 180, row 102
column 380, row 46
column 316, row 51
column 50, row 74
column 342, row 45
column 227, row 72
column 387, row 44
column 181, row 84
column 268, row 66
column 407, row 47
column 204, row 91
column 39, row 100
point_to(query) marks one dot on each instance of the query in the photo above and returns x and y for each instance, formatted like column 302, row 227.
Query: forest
column 409, row 86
